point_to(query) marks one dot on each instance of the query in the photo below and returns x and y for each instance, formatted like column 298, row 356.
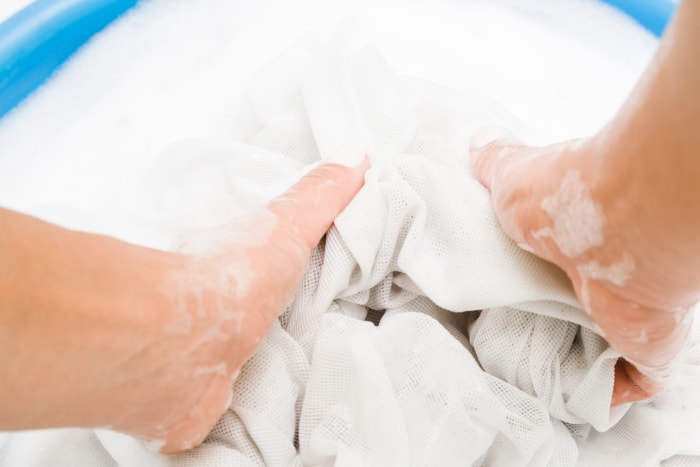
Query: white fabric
column 526, row 381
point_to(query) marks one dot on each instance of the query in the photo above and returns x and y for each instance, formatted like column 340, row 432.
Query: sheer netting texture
column 421, row 335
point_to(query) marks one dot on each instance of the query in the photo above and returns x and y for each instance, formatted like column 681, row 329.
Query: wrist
column 650, row 222
column 78, row 310
column 650, row 170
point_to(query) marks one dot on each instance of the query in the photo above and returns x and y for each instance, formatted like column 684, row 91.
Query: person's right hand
column 149, row 342
column 231, row 284
column 609, row 235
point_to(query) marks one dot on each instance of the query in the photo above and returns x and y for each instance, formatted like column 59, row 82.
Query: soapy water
column 85, row 141
column 173, row 70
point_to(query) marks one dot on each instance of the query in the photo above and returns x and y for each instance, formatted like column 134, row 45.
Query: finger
column 309, row 207
column 490, row 149
column 630, row 385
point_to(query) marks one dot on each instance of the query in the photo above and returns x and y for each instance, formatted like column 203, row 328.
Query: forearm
column 69, row 302
column 651, row 165
column 619, row 212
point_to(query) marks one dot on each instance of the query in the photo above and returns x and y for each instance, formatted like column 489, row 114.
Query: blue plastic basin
column 39, row 38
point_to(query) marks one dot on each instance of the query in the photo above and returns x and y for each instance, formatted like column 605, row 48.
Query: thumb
column 308, row 209
column 491, row 149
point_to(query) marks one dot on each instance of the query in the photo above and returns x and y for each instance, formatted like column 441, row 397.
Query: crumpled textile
column 481, row 355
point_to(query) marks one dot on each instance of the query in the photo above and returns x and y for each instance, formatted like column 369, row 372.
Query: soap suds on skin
column 578, row 220
column 642, row 338
column 249, row 230
column 220, row 369
column 209, row 291
column 211, row 251
column 665, row 366
column 618, row 273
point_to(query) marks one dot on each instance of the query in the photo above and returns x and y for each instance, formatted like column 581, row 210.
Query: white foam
column 618, row 273
column 76, row 150
column 578, row 220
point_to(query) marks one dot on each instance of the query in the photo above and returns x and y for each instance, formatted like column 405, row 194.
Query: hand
column 229, row 285
column 565, row 204
column 107, row 334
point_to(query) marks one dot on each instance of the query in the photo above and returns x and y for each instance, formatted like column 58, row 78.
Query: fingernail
column 352, row 156
column 483, row 136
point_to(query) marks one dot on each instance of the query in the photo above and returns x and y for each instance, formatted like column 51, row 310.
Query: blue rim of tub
column 39, row 38
column 652, row 14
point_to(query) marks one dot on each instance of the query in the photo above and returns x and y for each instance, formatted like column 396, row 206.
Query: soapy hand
column 231, row 284
column 565, row 204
